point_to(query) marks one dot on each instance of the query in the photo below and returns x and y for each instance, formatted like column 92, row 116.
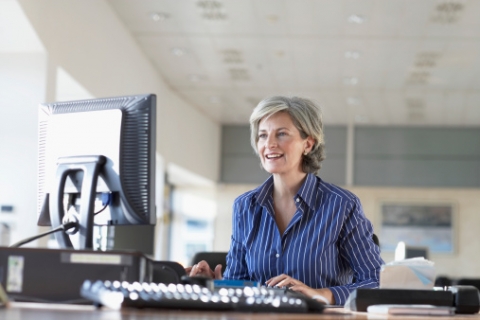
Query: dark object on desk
column 465, row 299
column 198, row 280
column 45, row 275
column 213, row 259
column 166, row 272
column 469, row 282
column 443, row 281
column 193, row 297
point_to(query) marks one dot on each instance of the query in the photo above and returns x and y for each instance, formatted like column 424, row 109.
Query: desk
column 38, row 311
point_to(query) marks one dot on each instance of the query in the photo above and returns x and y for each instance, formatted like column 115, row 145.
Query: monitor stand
column 90, row 165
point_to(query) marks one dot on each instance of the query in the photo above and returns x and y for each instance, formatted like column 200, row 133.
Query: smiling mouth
column 273, row 156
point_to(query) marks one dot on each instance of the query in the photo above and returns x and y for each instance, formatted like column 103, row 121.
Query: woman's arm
column 236, row 268
column 359, row 251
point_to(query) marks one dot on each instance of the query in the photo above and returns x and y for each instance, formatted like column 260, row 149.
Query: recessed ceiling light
column 352, row 81
column 159, row 16
column 353, row 101
column 178, row 51
column 356, row 18
column 352, row 55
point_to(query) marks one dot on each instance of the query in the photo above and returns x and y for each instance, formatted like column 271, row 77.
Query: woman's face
column 280, row 145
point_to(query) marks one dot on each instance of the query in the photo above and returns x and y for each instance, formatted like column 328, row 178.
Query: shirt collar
column 264, row 192
column 306, row 191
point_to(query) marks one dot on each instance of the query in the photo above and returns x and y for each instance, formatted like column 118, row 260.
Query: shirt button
column 277, row 255
column 298, row 200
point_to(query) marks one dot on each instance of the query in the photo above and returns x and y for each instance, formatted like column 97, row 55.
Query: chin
column 272, row 170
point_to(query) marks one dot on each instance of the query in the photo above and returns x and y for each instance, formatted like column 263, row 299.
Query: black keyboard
column 194, row 297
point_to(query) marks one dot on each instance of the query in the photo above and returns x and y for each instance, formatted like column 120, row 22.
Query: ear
column 309, row 143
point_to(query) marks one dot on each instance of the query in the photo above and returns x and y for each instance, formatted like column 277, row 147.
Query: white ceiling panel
column 374, row 62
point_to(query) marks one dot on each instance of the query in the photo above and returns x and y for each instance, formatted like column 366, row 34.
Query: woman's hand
column 323, row 295
column 202, row 269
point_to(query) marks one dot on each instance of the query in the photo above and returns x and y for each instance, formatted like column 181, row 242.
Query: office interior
column 396, row 80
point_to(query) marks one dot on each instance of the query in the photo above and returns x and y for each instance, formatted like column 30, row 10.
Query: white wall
column 465, row 262
column 22, row 83
column 87, row 39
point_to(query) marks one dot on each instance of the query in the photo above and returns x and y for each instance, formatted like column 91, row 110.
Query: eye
column 262, row 136
column 281, row 134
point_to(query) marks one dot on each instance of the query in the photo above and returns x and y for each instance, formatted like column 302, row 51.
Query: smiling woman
column 296, row 230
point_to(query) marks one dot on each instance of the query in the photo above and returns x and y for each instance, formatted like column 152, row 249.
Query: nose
column 271, row 141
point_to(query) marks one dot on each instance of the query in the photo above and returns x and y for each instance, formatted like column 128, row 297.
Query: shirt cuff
column 340, row 294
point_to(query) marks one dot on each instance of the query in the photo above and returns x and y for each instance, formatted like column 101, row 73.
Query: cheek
column 260, row 147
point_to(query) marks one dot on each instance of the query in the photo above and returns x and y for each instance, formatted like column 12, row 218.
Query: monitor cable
column 70, row 224
column 64, row 227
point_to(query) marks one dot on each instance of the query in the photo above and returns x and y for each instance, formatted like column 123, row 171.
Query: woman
column 296, row 230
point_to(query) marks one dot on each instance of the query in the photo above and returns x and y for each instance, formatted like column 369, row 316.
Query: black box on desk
column 56, row 275
column 360, row 299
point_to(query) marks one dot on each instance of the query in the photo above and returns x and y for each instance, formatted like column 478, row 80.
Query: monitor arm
column 90, row 165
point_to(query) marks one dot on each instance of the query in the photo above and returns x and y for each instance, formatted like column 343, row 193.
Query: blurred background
column 397, row 81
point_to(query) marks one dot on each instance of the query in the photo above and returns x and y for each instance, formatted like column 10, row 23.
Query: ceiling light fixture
column 353, row 101
column 178, row 51
column 356, row 18
column 352, row 81
column 352, row 55
column 159, row 16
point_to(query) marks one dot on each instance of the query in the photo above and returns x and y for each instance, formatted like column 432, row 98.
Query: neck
column 287, row 186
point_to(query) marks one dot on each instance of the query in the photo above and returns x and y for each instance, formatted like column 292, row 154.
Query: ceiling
column 367, row 62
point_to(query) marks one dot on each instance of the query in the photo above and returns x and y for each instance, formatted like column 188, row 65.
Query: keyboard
column 116, row 295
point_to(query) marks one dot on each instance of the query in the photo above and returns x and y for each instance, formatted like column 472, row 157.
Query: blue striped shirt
column 327, row 243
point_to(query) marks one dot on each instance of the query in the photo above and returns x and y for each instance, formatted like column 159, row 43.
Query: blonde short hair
column 307, row 118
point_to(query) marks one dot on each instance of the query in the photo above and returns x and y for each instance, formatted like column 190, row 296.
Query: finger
column 275, row 280
column 288, row 282
column 218, row 272
column 304, row 289
column 193, row 270
column 188, row 269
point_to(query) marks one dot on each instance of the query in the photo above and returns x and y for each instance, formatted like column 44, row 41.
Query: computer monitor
column 93, row 154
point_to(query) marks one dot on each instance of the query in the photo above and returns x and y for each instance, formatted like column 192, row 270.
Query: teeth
column 274, row 156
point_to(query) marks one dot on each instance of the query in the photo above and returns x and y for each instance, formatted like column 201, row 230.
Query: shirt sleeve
column 236, row 265
column 359, row 251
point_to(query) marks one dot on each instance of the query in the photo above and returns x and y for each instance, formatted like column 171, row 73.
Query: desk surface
column 36, row 311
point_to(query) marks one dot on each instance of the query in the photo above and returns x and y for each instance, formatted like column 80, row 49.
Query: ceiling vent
column 415, row 104
column 418, row 77
column 416, row 116
column 422, row 66
column 415, row 109
column 232, row 56
column 212, row 10
column 425, row 60
column 448, row 12
column 239, row 74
